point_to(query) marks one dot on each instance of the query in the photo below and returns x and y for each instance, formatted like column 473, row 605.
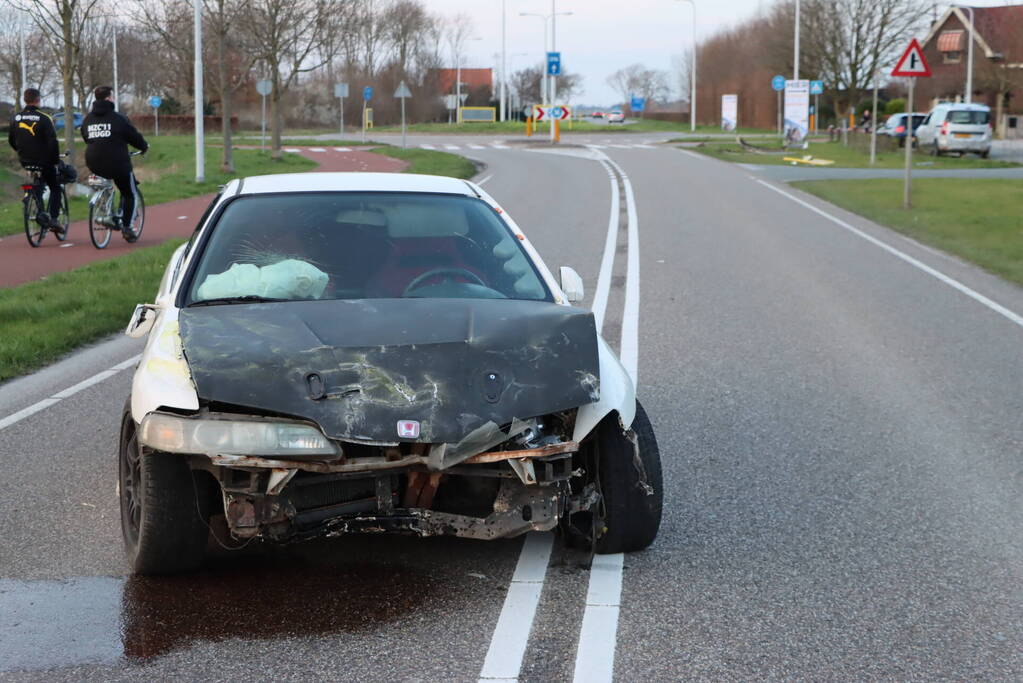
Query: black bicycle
column 36, row 202
column 104, row 219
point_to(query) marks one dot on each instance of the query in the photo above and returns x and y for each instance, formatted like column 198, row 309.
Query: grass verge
column 43, row 320
column 980, row 220
column 430, row 162
column 166, row 173
column 844, row 157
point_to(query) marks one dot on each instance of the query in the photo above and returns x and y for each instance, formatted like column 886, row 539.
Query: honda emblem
column 408, row 429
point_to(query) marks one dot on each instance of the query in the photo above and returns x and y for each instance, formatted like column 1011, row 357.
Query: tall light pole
column 795, row 48
column 115, row 66
column 692, row 78
column 200, row 146
column 547, row 89
column 969, row 60
column 504, row 62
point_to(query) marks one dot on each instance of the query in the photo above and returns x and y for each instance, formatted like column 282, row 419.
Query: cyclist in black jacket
column 33, row 136
column 107, row 134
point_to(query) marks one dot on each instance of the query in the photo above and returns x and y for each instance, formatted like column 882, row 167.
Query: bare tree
column 527, row 83
column 404, row 24
column 221, row 18
column 288, row 36
column 62, row 23
column 457, row 31
column 637, row 80
column 170, row 26
column 38, row 68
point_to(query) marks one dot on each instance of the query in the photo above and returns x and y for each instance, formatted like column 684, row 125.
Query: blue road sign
column 637, row 104
column 778, row 82
column 155, row 101
column 553, row 63
column 816, row 87
column 367, row 93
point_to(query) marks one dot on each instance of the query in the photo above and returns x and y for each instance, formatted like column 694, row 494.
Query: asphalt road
column 841, row 436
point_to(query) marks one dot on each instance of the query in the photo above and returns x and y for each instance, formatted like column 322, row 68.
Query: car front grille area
column 310, row 491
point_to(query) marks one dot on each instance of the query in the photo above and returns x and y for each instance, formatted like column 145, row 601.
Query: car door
column 925, row 133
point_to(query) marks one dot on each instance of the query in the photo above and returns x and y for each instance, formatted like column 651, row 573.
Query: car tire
column 631, row 485
column 164, row 508
column 935, row 152
column 985, row 154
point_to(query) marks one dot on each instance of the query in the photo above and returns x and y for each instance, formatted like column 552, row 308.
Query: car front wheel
column 631, row 484
column 164, row 508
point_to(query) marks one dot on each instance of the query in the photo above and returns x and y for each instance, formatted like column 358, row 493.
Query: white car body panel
column 163, row 379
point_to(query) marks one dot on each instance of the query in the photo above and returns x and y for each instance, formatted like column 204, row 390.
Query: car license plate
column 964, row 135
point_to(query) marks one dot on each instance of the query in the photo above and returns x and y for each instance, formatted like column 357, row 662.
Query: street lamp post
column 547, row 87
column 795, row 48
column 968, row 95
column 692, row 78
column 504, row 62
column 200, row 148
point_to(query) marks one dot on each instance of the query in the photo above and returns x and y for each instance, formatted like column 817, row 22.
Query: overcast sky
column 601, row 36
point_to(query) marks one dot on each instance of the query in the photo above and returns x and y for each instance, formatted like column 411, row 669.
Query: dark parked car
column 895, row 126
column 58, row 119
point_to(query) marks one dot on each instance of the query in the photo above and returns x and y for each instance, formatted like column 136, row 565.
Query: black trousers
column 125, row 183
column 49, row 176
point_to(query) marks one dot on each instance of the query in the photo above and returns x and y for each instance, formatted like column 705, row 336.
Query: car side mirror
column 141, row 321
column 572, row 285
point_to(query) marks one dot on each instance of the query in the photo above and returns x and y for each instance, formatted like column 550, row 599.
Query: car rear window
column 365, row 245
column 976, row 118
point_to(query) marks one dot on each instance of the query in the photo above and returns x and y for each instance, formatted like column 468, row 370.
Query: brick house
column 997, row 63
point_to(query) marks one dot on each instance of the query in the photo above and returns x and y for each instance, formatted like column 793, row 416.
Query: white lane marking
column 292, row 150
column 317, row 149
column 481, row 182
column 451, row 147
column 427, row 146
column 630, row 314
column 951, row 282
column 66, row 393
column 600, row 295
column 511, row 635
column 694, row 155
column 181, row 218
column 595, row 656
column 342, row 149
column 67, row 244
column 499, row 146
column 598, row 146
column 476, row 147
column 644, row 146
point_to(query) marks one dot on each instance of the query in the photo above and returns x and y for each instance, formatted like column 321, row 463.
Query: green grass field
column 980, row 220
column 844, row 157
column 430, row 162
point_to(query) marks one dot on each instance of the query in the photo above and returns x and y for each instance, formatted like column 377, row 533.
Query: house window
column 951, row 57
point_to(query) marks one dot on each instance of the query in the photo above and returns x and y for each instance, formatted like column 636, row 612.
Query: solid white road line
column 511, row 635
column 600, row 295
column 630, row 315
column 951, row 282
column 66, row 393
column 595, row 656
column 481, row 182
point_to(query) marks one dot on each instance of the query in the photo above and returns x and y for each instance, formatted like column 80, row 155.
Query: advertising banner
column 797, row 111
column 729, row 112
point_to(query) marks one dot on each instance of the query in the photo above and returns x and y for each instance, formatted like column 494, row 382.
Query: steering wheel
column 447, row 273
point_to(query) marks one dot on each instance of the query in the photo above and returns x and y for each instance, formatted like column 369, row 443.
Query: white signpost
column 797, row 111
column 403, row 93
column 911, row 65
column 264, row 87
column 341, row 92
column 729, row 112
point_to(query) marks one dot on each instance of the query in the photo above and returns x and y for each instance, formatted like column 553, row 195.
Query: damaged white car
column 350, row 353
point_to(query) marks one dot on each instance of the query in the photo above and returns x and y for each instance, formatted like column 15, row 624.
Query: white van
column 952, row 127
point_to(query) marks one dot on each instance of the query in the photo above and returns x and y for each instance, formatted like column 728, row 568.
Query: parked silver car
column 952, row 127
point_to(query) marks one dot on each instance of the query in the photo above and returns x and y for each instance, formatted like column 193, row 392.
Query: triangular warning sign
column 912, row 63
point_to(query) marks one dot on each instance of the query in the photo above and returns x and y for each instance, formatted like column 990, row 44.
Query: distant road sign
column 816, row 87
column 402, row 92
column 341, row 90
column 155, row 101
column 637, row 104
column 553, row 63
column 912, row 63
column 264, row 87
column 367, row 93
column 778, row 82
column 552, row 113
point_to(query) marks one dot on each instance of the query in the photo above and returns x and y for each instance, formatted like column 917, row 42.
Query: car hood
column 357, row 368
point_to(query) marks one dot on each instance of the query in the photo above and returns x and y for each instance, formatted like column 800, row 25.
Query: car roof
column 353, row 182
column 963, row 105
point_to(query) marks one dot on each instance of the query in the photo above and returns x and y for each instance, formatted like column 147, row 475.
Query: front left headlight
column 174, row 434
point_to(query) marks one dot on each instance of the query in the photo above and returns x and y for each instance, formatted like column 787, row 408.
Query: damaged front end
column 520, row 482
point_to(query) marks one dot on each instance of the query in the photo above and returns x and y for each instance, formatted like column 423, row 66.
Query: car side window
column 192, row 240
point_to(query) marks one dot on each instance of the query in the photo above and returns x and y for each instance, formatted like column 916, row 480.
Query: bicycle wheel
column 133, row 232
column 33, row 231
column 98, row 232
column 64, row 220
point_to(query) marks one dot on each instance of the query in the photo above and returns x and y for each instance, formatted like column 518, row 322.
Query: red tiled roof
column 1002, row 28
column 471, row 79
column 950, row 41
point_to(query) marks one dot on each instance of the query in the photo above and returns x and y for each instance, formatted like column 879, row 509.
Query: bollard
column 557, row 131
column 529, row 126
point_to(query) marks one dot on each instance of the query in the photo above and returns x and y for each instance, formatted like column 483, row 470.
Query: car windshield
column 977, row 118
column 349, row 245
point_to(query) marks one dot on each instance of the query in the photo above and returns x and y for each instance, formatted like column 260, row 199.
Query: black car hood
column 356, row 368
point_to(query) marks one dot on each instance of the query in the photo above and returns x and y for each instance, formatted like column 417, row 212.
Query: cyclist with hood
column 107, row 134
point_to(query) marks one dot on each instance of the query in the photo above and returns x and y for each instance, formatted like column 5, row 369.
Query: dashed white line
column 292, row 150
column 451, row 147
column 933, row 272
column 595, row 656
column 499, row 146
column 476, row 147
column 317, row 149
column 342, row 149
column 427, row 147
column 66, row 393
column 484, row 180
column 511, row 635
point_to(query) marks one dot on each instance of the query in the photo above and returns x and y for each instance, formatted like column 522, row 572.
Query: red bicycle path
column 20, row 263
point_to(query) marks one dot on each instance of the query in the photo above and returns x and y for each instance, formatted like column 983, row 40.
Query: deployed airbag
column 288, row 279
